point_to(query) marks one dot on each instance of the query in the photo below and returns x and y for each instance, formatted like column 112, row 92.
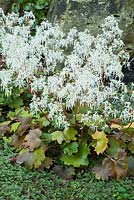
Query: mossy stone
column 91, row 13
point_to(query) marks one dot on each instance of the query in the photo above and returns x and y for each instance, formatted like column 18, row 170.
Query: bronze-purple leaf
column 25, row 125
column 32, row 140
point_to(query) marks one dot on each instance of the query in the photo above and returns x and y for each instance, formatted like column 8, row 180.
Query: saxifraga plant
column 75, row 81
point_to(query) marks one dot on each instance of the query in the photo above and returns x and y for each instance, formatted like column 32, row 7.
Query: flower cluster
column 65, row 71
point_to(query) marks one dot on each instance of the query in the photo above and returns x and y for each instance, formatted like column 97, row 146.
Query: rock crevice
column 91, row 13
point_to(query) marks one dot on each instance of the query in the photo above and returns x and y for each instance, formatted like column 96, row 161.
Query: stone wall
column 91, row 13
column 6, row 4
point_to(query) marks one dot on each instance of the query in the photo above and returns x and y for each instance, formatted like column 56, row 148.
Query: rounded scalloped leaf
column 71, row 148
column 113, row 168
column 70, row 134
column 58, row 136
column 78, row 159
column 115, row 144
column 32, row 140
column 102, row 141
column 32, row 159
column 17, row 140
column 39, row 156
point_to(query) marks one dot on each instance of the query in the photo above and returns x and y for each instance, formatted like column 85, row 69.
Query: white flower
column 56, row 113
column 66, row 70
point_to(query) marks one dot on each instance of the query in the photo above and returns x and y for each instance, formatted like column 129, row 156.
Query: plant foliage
column 62, row 96
column 38, row 7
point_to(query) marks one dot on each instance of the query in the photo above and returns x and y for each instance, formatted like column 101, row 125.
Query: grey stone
column 91, row 13
column 6, row 4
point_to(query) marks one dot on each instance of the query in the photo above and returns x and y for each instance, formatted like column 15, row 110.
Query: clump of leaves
column 29, row 134
column 23, row 131
column 38, row 7
column 72, row 107
column 113, row 167
column 33, row 136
